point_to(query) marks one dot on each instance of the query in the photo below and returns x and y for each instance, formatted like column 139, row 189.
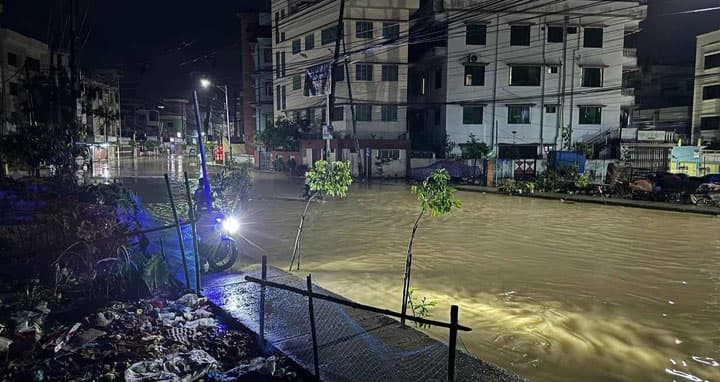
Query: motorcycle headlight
column 230, row 225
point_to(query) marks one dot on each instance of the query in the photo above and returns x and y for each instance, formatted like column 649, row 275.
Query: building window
column 338, row 113
column 12, row 59
column 551, row 109
column 438, row 78
column 363, row 113
column 268, row 88
column 328, row 35
column 284, row 97
column 389, row 154
column 14, row 89
column 297, row 82
column 391, row 31
column 520, row 35
column 32, row 64
column 472, row 115
column 592, row 77
column 553, row 69
column 282, row 36
column 389, row 72
column 277, row 27
column 710, row 123
column 436, row 116
column 267, row 55
column 711, row 61
column 554, row 34
column 711, row 92
column 389, row 113
column 518, row 114
column 282, row 63
column 277, row 97
column 282, row 14
column 277, row 64
column 593, row 38
column 475, row 34
column 296, row 47
column 268, row 119
column 363, row 72
column 364, row 29
column 590, row 115
column 474, row 75
column 524, row 76
column 310, row 42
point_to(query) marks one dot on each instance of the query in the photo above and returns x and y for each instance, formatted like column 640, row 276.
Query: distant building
column 706, row 99
column 101, row 115
column 526, row 78
column 304, row 38
column 257, row 97
column 20, row 57
column 173, row 120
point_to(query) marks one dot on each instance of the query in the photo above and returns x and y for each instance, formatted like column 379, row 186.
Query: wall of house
column 707, row 44
column 497, row 94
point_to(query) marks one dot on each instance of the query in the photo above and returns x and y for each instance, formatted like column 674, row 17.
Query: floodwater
column 553, row 291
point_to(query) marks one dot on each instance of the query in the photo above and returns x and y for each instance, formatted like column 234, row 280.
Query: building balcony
column 630, row 57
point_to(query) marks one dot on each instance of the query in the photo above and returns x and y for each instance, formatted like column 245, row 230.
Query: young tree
column 331, row 179
column 438, row 198
column 474, row 149
column 283, row 134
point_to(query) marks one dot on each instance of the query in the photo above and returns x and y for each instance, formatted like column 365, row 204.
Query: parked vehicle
column 708, row 194
column 218, row 248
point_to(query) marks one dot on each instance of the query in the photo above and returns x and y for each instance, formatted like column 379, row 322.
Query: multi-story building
column 706, row 100
column 100, row 93
column 20, row 57
column 522, row 78
column 256, row 50
column 304, row 37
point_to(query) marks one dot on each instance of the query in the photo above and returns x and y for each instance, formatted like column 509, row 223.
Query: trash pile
column 156, row 339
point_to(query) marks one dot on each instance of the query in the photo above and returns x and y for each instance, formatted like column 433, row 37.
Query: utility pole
column 356, row 141
column 494, row 138
column 562, row 69
column 227, row 119
column 73, row 58
column 339, row 36
column 542, row 90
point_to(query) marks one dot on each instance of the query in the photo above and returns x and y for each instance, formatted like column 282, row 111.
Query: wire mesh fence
column 343, row 340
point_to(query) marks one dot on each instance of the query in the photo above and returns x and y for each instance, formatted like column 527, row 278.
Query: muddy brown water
column 553, row 291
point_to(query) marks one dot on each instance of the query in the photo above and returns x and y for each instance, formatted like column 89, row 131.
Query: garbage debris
column 176, row 367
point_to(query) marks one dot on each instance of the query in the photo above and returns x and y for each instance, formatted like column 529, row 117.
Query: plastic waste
column 188, row 366
column 5, row 344
column 200, row 322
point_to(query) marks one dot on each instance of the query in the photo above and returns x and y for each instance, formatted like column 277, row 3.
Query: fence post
column 179, row 232
column 262, row 302
column 452, row 342
column 312, row 327
column 196, row 245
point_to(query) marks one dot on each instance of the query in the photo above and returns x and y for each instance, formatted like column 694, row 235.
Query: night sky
column 162, row 47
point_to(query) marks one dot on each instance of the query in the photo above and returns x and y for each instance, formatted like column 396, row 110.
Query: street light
column 206, row 83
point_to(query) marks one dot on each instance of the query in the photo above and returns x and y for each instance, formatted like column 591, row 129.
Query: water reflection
column 556, row 292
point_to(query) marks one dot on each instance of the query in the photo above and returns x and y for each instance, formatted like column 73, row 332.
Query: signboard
column 219, row 153
column 317, row 80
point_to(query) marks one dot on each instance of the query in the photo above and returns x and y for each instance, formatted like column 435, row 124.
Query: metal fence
column 325, row 329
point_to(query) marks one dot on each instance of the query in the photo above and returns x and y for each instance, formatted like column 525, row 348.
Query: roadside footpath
column 662, row 206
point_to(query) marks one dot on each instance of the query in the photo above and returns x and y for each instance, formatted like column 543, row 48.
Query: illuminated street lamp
column 205, row 84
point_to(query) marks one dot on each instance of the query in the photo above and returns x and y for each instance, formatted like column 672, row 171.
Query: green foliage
column 155, row 272
column 584, row 149
column 420, row 307
column 47, row 139
column 474, row 149
column 330, row 179
column 282, row 135
column 231, row 188
column 436, row 195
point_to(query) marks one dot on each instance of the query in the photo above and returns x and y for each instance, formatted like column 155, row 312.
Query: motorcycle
column 218, row 248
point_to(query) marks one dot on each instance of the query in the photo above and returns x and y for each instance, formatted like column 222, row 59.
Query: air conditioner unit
column 473, row 58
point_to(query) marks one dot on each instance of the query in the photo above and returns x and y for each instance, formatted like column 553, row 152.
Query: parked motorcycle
column 218, row 248
column 707, row 194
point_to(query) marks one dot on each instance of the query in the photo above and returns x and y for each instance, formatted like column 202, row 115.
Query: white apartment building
column 706, row 99
column 20, row 56
column 304, row 35
column 519, row 78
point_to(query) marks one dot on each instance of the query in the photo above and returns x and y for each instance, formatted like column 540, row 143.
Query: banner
column 317, row 80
